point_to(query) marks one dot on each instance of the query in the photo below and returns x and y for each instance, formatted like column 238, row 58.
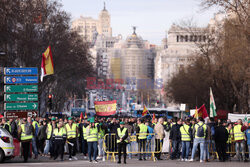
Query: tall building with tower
column 89, row 27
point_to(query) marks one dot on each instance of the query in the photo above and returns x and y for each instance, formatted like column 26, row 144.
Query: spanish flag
column 145, row 111
column 47, row 66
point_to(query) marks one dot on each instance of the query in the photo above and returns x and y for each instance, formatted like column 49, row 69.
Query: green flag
column 212, row 105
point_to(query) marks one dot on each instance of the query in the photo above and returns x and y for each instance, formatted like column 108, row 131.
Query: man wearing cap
column 122, row 135
column 59, row 138
column 92, row 138
column 25, row 134
column 72, row 133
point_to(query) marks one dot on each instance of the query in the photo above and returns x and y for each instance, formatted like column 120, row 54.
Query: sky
column 151, row 17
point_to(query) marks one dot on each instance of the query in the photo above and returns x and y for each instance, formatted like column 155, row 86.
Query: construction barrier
column 230, row 149
column 149, row 147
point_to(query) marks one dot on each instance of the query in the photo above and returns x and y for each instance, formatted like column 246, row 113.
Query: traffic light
column 50, row 102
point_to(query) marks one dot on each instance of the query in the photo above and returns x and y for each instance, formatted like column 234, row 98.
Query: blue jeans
column 92, row 147
column 47, row 146
column 84, row 147
column 148, row 148
column 197, row 141
column 100, row 147
column 34, row 147
column 185, row 149
column 206, row 149
column 129, row 150
column 176, row 146
column 240, row 147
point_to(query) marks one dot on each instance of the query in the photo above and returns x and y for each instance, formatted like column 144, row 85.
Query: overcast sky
column 151, row 17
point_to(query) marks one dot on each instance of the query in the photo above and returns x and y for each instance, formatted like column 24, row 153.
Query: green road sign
column 20, row 97
column 20, row 106
column 20, row 88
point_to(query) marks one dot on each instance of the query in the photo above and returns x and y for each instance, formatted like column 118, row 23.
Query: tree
column 28, row 28
column 222, row 62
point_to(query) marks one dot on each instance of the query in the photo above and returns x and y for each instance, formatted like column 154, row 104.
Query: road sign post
column 20, row 97
column 20, row 114
column 20, row 71
column 20, row 106
column 20, row 88
column 20, row 80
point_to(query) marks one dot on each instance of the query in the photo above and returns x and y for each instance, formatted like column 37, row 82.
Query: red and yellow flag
column 145, row 111
column 81, row 117
column 47, row 66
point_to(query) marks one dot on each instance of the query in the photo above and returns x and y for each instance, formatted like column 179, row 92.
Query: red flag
column 47, row 66
column 81, row 117
column 153, row 116
column 202, row 111
column 145, row 111
column 85, row 115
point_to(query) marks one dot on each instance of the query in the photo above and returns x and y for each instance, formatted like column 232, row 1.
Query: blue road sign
column 20, row 71
column 21, row 80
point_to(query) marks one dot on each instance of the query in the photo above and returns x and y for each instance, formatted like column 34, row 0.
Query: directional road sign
column 21, row 80
column 20, row 88
column 19, row 114
column 20, row 97
column 20, row 71
column 20, row 106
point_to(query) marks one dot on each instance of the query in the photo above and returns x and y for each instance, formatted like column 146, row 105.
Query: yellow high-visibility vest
column 238, row 135
column 49, row 131
column 185, row 136
column 84, row 133
column 71, row 132
column 93, row 135
column 23, row 134
column 143, row 131
column 196, row 126
column 121, row 134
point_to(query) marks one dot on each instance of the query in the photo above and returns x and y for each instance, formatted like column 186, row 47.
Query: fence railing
column 149, row 146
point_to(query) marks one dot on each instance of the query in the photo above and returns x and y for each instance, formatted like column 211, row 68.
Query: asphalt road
column 46, row 162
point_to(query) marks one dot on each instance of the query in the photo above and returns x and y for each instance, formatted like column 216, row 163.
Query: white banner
column 235, row 117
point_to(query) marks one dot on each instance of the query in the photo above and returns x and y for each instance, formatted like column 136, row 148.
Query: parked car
column 6, row 145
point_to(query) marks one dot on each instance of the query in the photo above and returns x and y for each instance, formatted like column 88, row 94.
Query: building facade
column 89, row 28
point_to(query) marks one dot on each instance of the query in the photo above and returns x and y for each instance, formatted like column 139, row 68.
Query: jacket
column 175, row 133
column 159, row 131
column 248, row 135
column 221, row 134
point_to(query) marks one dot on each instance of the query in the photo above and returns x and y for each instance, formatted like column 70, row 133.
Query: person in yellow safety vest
column 230, row 138
column 122, row 135
column 92, row 139
column 101, row 134
column 25, row 134
column 186, row 135
column 239, row 137
column 142, row 131
column 84, row 138
column 72, row 133
column 6, row 125
column 34, row 139
column 59, row 138
column 199, row 133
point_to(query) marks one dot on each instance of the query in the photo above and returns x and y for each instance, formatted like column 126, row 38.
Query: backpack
column 200, row 131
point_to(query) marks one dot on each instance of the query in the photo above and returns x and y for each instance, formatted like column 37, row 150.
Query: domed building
column 134, row 57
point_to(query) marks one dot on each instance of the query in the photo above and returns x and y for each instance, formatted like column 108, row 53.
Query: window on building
column 177, row 38
column 186, row 38
column 181, row 38
column 191, row 38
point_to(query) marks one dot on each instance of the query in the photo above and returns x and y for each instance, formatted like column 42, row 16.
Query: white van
column 6, row 145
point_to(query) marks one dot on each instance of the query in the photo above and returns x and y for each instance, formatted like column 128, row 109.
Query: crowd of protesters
column 189, row 138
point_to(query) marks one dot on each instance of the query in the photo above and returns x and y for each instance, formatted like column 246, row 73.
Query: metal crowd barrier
column 230, row 150
column 149, row 146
